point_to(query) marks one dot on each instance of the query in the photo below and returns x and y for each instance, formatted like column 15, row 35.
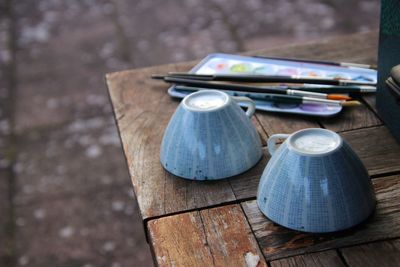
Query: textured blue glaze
column 210, row 145
column 316, row 194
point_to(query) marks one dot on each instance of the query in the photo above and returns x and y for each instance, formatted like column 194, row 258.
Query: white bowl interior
column 206, row 100
column 315, row 141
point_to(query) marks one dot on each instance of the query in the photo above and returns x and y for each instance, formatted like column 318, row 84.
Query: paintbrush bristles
column 338, row 97
column 351, row 103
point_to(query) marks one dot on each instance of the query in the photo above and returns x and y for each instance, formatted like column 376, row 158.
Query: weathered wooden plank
column 384, row 254
column 278, row 242
column 274, row 123
column 351, row 118
column 325, row 258
column 246, row 186
column 212, row 237
column 370, row 99
column 376, row 147
column 360, row 48
column 180, row 240
column 230, row 238
column 260, row 129
column 143, row 109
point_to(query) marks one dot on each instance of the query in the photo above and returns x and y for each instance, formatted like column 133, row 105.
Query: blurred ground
column 65, row 195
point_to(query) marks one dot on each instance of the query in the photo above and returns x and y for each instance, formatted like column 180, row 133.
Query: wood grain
column 370, row 99
column 221, row 236
column 274, row 123
column 357, row 48
column 361, row 48
column 278, row 242
column 260, row 129
column 180, row 240
column 384, row 254
column 325, row 258
column 212, row 237
column 351, row 118
column 377, row 148
column 246, row 186
column 230, row 238
column 142, row 109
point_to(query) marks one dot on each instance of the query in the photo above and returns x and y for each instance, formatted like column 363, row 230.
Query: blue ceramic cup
column 314, row 182
column 210, row 137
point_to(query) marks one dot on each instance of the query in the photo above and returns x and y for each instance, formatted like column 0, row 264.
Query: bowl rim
column 296, row 134
column 227, row 100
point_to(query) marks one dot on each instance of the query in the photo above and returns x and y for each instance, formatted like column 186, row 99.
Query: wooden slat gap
column 320, row 124
column 205, row 235
column 262, row 126
column 340, row 254
column 252, row 232
column 381, row 253
column 146, row 220
column 315, row 259
column 385, row 174
column 367, row 104
column 363, row 128
column 282, row 241
column 370, row 242
column 314, row 252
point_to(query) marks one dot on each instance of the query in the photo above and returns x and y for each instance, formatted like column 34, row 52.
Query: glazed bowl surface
column 315, row 182
column 210, row 137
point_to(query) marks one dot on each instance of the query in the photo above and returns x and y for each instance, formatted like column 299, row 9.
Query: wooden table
column 217, row 223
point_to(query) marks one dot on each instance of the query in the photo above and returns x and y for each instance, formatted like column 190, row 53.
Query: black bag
column 388, row 94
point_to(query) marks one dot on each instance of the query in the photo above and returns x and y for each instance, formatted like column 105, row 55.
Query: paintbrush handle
column 233, row 87
column 273, row 89
column 322, row 62
column 223, row 86
column 338, row 89
column 246, row 88
column 276, row 98
column 265, row 78
column 272, row 78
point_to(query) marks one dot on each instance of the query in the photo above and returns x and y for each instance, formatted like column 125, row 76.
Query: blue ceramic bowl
column 210, row 137
column 315, row 182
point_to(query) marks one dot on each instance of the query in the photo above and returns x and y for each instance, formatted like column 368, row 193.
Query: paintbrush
column 339, row 89
column 323, row 62
column 262, row 78
column 320, row 88
column 283, row 99
column 233, row 87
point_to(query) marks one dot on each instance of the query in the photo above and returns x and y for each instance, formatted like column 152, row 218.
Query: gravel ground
column 64, row 187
